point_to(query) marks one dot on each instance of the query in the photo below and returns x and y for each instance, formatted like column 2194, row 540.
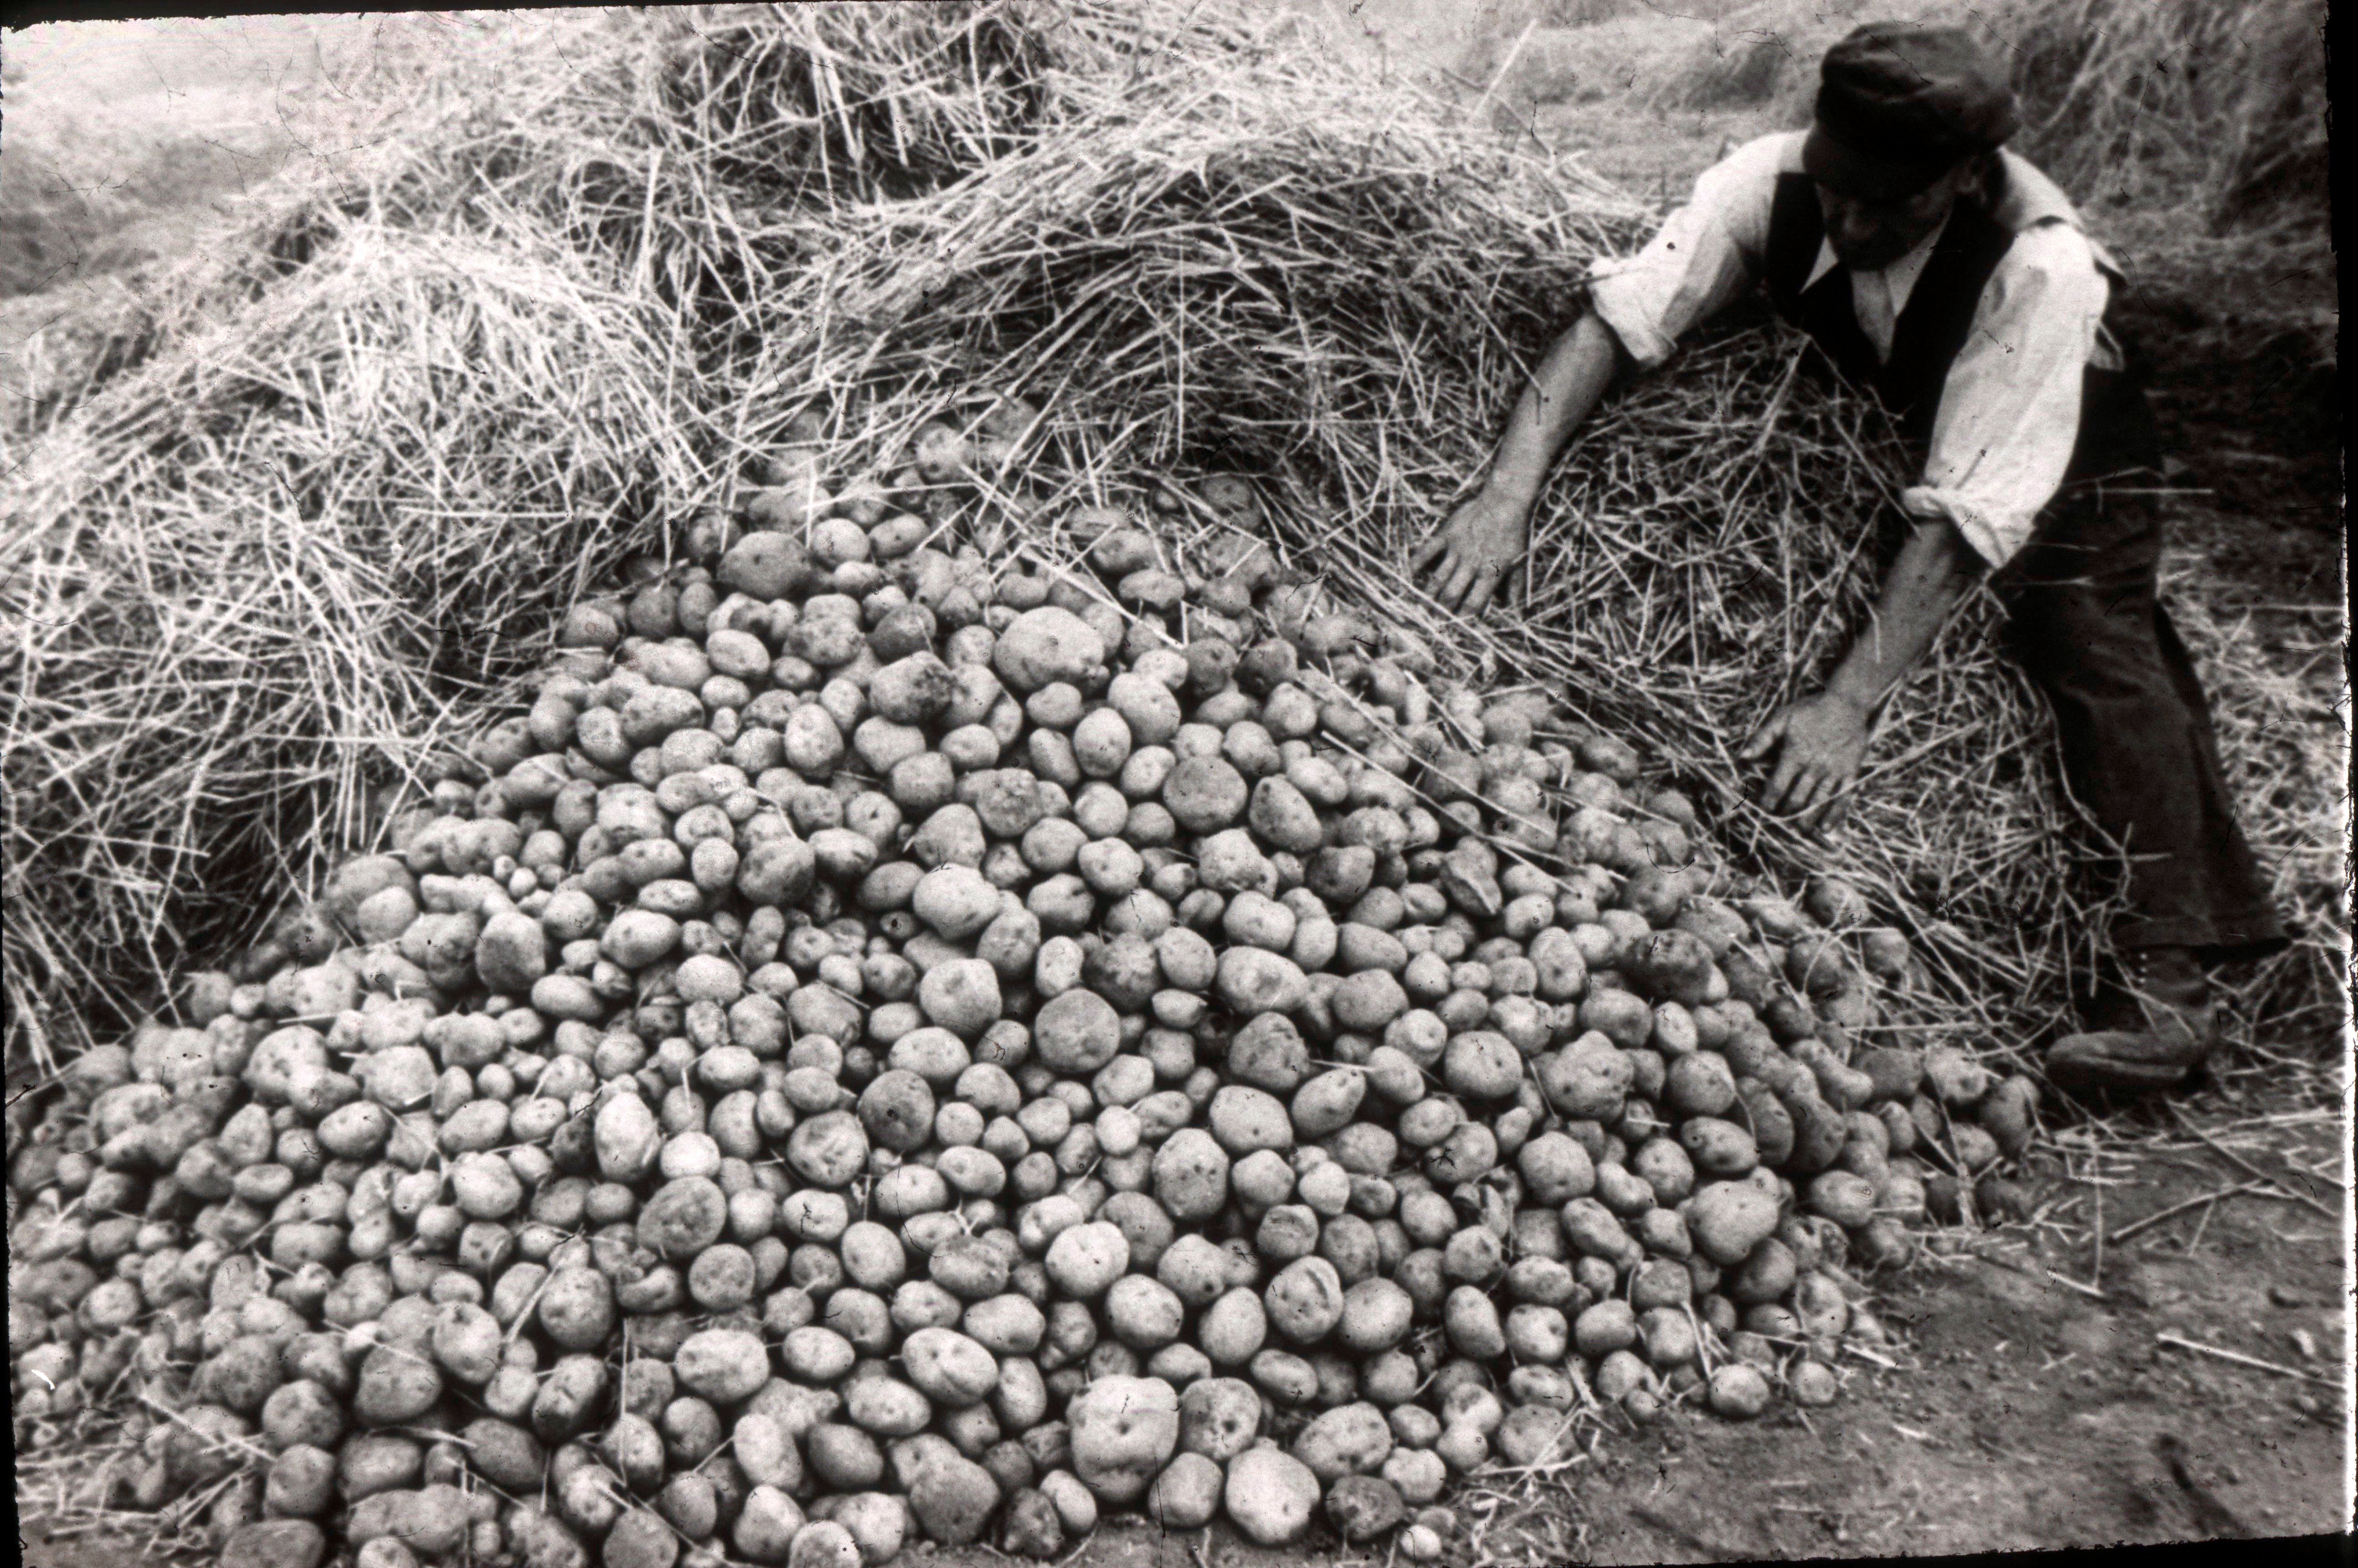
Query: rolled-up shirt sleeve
column 2009, row 409
column 1703, row 258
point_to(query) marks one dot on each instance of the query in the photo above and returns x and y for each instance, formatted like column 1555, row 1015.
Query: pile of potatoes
column 900, row 1044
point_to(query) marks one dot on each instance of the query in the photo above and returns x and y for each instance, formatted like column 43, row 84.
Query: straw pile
column 332, row 498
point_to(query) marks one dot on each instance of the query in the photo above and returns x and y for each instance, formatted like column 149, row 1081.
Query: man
column 1952, row 279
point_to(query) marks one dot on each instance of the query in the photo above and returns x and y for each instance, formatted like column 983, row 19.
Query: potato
column 1471, row 1318
column 1076, row 1031
column 395, row 1386
column 1270, row 1496
column 1234, row 1328
column 1205, row 794
column 1555, row 1169
column 431, row 1523
column 1728, row 1220
column 1047, row 644
column 721, row 1365
column 1375, row 1315
column 1718, row 1148
column 302, row 1483
column 1186, row 1494
column 767, row 1523
column 1483, row 1064
column 1354, row 1440
column 1327, row 1103
column 1846, row 1199
column 1588, row 1079
column 1123, row 1430
column 1101, row 743
column 1246, row 1121
column 1148, row 708
column 1251, row 982
column 301, row 1413
column 956, row 901
column 467, row 1343
column 566, row 1396
column 828, row 1148
column 1305, row 1300
column 948, row 1367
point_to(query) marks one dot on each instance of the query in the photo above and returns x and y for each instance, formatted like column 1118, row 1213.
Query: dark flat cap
column 1899, row 104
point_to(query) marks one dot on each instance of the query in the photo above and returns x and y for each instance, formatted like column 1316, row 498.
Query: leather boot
column 2150, row 1027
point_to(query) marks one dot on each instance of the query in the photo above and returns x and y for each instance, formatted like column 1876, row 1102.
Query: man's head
column 1908, row 118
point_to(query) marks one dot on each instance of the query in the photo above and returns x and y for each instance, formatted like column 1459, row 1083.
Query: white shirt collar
column 1898, row 279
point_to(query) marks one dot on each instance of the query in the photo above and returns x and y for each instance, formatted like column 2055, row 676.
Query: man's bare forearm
column 1565, row 387
column 1935, row 569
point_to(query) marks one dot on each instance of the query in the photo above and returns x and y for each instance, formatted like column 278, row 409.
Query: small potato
column 1471, row 1318
column 1084, row 1260
column 948, row 1367
column 1718, row 1148
column 1234, row 1328
column 1102, row 743
column 1186, row 1494
column 1218, row 1418
column 395, row 1386
column 1375, row 1315
column 1305, row 1300
column 1144, row 1312
column 1195, row 1267
column 1270, row 1496
column 1149, row 707
column 723, row 1365
column 1326, row 1104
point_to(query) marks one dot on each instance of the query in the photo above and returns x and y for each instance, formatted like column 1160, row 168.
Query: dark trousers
column 2134, row 727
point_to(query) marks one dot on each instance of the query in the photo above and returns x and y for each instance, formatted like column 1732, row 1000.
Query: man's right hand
column 1478, row 549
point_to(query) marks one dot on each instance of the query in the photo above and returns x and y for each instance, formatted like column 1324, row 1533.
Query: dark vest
column 2116, row 430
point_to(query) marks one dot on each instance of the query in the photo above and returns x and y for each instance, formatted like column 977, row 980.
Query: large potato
column 1589, row 1079
column 1045, row 646
column 1124, row 1430
column 1076, row 1031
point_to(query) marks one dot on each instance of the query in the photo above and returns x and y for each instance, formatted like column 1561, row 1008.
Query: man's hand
column 1820, row 741
column 1478, row 549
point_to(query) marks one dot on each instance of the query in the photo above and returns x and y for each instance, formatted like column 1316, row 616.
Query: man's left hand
column 1819, row 742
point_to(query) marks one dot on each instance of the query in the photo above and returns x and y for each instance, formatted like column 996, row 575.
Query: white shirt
column 2009, row 409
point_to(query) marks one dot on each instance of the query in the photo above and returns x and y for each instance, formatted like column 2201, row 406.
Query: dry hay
column 337, row 493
